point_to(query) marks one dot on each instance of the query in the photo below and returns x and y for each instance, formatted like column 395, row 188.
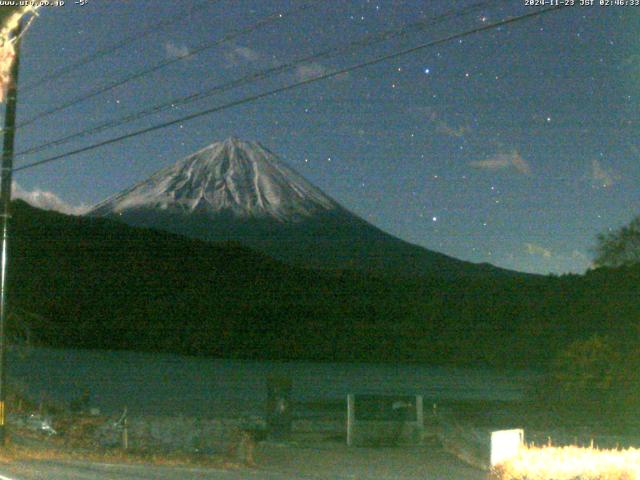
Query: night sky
column 514, row 146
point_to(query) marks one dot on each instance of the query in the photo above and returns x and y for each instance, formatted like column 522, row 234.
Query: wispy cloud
column 310, row 70
column 239, row 55
column 632, row 65
column 503, row 161
column 578, row 255
column 536, row 258
column 176, row 51
column 602, row 177
column 537, row 250
column 444, row 127
column 46, row 200
column 456, row 132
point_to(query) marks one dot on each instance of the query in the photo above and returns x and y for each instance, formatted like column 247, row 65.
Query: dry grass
column 59, row 452
column 570, row 463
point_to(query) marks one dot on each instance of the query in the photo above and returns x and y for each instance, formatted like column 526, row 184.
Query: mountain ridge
column 236, row 190
column 80, row 282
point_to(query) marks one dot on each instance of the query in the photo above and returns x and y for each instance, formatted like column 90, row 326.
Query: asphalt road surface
column 275, row 463
column 48, row 470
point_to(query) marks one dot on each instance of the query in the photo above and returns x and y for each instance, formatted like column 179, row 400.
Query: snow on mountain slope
column 236, row 177
column 239, row 191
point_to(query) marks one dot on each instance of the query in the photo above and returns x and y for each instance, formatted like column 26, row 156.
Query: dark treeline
column 94, row 283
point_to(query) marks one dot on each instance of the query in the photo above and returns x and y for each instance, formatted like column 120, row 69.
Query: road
column 275, row 463
column 48, row 470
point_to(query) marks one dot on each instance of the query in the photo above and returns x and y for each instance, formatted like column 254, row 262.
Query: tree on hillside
column 619, row 247
column 595, row 379
column 586, row 366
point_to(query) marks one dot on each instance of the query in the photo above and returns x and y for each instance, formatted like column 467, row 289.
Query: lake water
column 164, row 384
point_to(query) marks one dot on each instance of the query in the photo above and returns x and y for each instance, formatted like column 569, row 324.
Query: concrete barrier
column 384, row 420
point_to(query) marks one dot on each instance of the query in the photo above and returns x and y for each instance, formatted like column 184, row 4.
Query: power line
column 363, row 42
column 65, row 70
column 288, row 87
column 165, row 63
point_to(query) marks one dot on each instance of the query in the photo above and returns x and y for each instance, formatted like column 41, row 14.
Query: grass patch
column 56, row 451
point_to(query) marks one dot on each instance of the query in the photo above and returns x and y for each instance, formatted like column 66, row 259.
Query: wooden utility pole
column 5, row 207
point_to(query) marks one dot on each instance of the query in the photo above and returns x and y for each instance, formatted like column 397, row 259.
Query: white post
column 350, row 418
column 420, row 416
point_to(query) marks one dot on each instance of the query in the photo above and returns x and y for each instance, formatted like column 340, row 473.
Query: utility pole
column 5, row 207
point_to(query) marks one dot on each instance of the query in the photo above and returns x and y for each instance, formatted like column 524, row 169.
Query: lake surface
column 165, row 384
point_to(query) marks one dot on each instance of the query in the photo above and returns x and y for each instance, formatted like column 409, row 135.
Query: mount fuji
column 238, row 190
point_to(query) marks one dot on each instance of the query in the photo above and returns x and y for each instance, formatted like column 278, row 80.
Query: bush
column 594, row 380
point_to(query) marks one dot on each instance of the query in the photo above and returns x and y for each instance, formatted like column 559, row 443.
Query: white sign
column 505, row 444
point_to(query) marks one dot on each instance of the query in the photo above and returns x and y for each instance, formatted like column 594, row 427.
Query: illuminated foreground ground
column 568, row 463
column 276, row 462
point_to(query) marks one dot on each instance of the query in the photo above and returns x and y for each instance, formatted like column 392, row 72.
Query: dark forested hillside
column 95, row 283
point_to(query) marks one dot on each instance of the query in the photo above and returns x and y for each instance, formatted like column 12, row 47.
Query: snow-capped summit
column 235, row 177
